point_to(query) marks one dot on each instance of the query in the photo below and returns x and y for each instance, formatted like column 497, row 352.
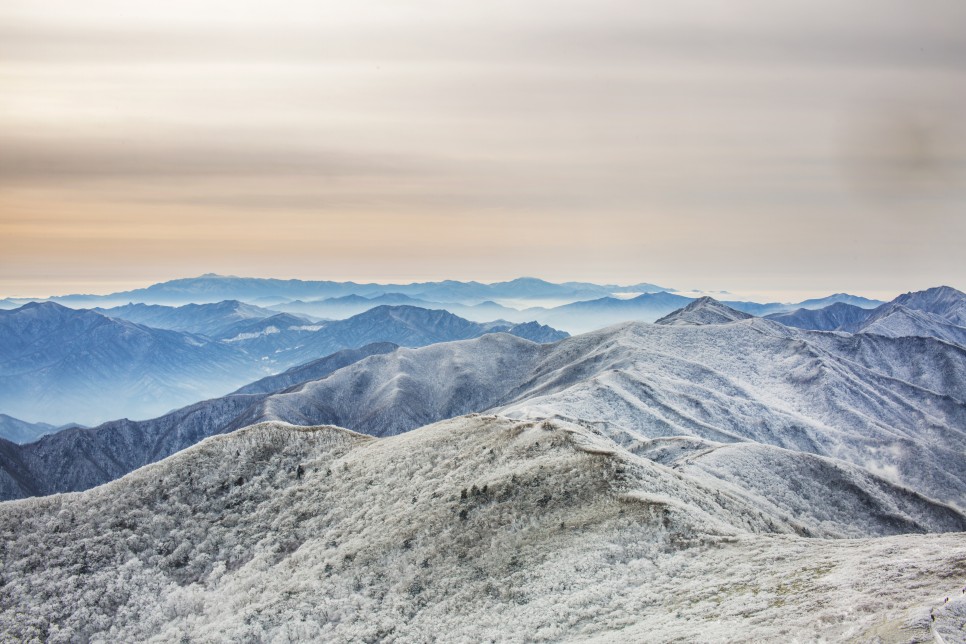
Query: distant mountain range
column 575, row 307
column 212, row 320
column 580, row 317
column 215, row 288
column 20, row 431
column 709, row 372
column 60, row 364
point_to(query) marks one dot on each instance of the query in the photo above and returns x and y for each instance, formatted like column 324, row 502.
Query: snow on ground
column 479, row 528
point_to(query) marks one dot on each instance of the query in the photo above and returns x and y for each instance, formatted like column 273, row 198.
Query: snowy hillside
column 944, row 301
column 830, row 318
column 704, row 310
column 407, row 326
column 315, row 369
column 113, row 449
column 895, row 320
column 893, row 406
column 319, row 534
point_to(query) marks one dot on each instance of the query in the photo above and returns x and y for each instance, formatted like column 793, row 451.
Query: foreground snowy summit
column 473, row 529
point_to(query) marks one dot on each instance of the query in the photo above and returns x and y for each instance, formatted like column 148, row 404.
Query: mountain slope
column 830, row 318
column 895, row 320
column 826, row 496
column 316, row 369
column 80, row 458
column 944, row 301
column 406, row 326
column 704, row 310
column 60, row 365
column 893, row 406
column 859, row 399
column 319, row 534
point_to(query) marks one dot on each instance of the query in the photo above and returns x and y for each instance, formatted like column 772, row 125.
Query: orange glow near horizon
column 753, row 148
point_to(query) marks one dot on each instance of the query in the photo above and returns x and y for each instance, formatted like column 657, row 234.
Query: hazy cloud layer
column 746, row 145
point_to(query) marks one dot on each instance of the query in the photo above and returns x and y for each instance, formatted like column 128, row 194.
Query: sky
column 790, row 148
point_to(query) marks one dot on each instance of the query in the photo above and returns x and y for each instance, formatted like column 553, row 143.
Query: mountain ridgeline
column 713, row 475
column 708, row 372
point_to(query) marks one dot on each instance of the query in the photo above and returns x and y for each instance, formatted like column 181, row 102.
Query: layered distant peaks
column 704, row 310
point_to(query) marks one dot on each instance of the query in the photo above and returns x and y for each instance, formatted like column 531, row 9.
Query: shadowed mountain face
column 830, row 318
column 61, row 364
column 19, row 431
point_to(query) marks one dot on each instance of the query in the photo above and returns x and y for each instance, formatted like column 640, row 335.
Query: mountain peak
column 704, row 310
column 945, row 301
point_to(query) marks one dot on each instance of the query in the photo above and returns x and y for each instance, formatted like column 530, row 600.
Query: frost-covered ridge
column 463, row 527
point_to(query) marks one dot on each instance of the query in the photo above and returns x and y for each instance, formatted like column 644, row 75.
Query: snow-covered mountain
column 281, row 533
column 936, row 312
column 893, row 406
column 60, row 365
column 712, row 477
column 704, row 310
column 315, row 369
column 580, row 317
column 407, row 326
column 896, row 320
column 830, row 318
column 944, row 301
